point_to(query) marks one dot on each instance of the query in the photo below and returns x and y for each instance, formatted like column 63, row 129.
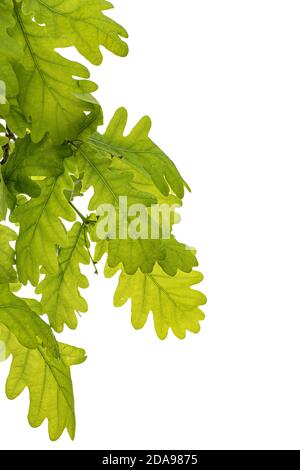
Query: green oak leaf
column 109, row 184
column 10, row 53
column 91, row 120
column 172, row 301
column 142, row 182
column 48, row 380
column 33, row 304
column 49, row 96
column 7, row 256
column 139, row 253
column 178, row 257
column 50, row 155
column 30, row 330
column 29, row 160
column 135, row 254
column 173, row 255
column 81, row 24
column 41, row 228
column 61, row 298
column 140, row 152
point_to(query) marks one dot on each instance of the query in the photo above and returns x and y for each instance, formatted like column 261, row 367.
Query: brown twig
column 6, row 148
column 10, row 134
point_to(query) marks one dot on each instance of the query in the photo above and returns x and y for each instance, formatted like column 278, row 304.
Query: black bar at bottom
column 151, row 458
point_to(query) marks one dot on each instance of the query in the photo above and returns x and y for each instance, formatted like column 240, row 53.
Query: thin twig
column 87, row 245
column 6, row 148
column 10, row 134
column 88, row 249
column 84, row 219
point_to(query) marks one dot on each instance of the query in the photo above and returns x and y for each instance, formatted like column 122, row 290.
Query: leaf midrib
column 104, row 181
column 62, row 274
column 161, row 289
column 49, row 365
column 35, row 61
column 70, row 16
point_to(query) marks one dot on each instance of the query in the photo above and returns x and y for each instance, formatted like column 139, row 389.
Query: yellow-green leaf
column 139, row 151
column 172, row 301
column 49, row 96
column 41, row 228
column 48, row 380
column 61, row 299
column 81, row 24
column 30, row 330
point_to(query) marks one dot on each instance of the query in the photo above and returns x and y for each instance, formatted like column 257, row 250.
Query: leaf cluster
column 51, row 154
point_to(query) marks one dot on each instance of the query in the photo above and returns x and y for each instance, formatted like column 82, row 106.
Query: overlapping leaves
column 40, row 83
column 49, row 382
column 33, row 160
column 109, row 184
column 81, row 24
column 49, row 96
column 172, row 301
column 30, row 330
column 39, row 362
column 110, row 170
column 51, row 154
column 140, row 151
column 61, row 298
column 41, row 228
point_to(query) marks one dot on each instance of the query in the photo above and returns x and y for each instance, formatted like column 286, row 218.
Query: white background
column 221, row 81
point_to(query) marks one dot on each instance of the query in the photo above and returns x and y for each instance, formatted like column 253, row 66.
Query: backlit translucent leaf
column 49, row 96
column 172, row 301
column 139, row 150
column 10, row 52
column 109, row 185
column 173, row 255
column 30, row 330
column 48, row 380
column 52, row 157
column 80, row 23
column 61, row 298
column 30, row 159
column 178, row 256
column 41, row 229
column 134, row 254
